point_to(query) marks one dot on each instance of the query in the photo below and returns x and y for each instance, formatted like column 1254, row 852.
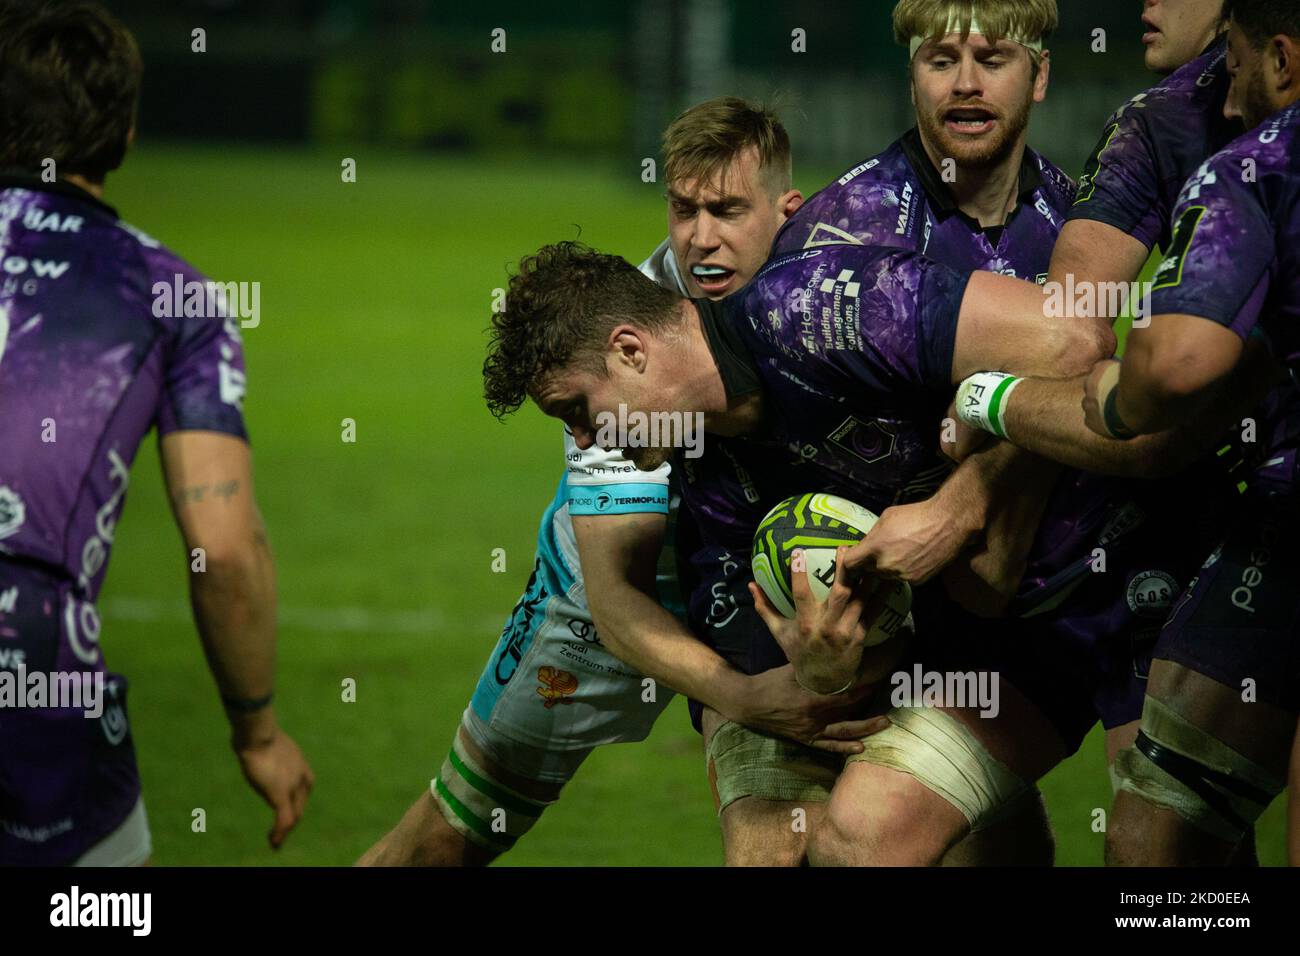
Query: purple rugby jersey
column 899, row 200
column 1235, row 255
column 1152, row 145
column 87, row 368
column 1235, row 260
column 84, row 359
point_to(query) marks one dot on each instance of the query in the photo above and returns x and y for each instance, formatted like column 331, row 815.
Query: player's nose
column 967, row 81
column 1231, row 110
column 706, row 232
column 583, row 437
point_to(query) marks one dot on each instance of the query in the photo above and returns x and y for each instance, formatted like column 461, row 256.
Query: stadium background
column 375, row 296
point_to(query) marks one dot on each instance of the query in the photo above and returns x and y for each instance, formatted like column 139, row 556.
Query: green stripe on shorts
column 508, row 801
column 470, row 820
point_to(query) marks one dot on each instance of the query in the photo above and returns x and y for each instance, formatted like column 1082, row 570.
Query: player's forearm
column 1019, row 484
column 637, row 630
column 1045, row 416
column 979, row 486
column 234, row 603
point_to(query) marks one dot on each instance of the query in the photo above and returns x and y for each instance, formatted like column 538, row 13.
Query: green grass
column 375, row 296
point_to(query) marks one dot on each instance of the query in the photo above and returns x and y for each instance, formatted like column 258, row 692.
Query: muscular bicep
column 1008, row 325
column 618, row 551
column 1172, row 368
column 1090, row 253
column 209, row 478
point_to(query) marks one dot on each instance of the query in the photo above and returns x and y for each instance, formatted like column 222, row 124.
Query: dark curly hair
column 559, row 311
column 69, row 84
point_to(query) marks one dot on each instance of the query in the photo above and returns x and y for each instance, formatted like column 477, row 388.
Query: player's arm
column 1117, row 217
column 209, row 480
column 1047, row 417
column 1169, row 377
column 1093, row 252
column 1207, row 301
column 619, row 555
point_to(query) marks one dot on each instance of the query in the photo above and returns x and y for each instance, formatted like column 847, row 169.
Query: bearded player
column 963, row 188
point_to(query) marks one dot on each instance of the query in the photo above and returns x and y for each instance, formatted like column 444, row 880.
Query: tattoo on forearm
column 193, row 494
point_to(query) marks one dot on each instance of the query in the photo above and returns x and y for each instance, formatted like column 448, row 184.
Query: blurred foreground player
column 86, row 370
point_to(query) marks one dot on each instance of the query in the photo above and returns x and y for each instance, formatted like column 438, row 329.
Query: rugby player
column 1220, row 715
column 569, row 672
column 87, row 368
column 962, row 187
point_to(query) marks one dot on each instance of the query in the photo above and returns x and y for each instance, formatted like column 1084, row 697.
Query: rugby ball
column 818, row 524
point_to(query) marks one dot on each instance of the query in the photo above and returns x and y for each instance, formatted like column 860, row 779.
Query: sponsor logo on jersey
column 584, row 631
column 113, row 723
column 9, row 600
column 38, row 220
column 742, row 476
column 95, row 550
column 520, row 627
column 824, row 234
column 1152, row 593
column 41, row 268
column 1261, row 556
column 869, row 442
column 557, row 686
column 856, row 171
column 905, row 210
column 12, row 511
column 1170, row 273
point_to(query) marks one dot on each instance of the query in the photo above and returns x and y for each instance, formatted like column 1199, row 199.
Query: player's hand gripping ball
column 818, row 524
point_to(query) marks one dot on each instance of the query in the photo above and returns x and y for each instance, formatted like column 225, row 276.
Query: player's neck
column 700, row 385
column 987, row 194
column 95, row 189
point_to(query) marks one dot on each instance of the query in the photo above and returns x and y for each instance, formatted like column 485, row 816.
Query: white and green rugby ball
column 818, row 524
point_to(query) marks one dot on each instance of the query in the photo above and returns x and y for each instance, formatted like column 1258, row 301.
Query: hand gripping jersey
column 90, row 360
column 899, row 200
column 1152, row 144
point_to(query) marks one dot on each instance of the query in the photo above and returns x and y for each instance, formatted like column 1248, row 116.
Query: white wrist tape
column 982, row 401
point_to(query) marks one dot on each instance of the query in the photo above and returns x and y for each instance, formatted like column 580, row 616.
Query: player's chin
column 647, row 459
column 975, row 149
column 1158, row 59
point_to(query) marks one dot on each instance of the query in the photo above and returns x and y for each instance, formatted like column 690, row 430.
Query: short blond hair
column 700, row 142
column 999, row 19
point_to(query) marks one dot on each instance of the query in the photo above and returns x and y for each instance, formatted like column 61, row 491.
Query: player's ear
column 1286, row 67
column 1044, row 75
column 788, row 203
column 629, row 347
